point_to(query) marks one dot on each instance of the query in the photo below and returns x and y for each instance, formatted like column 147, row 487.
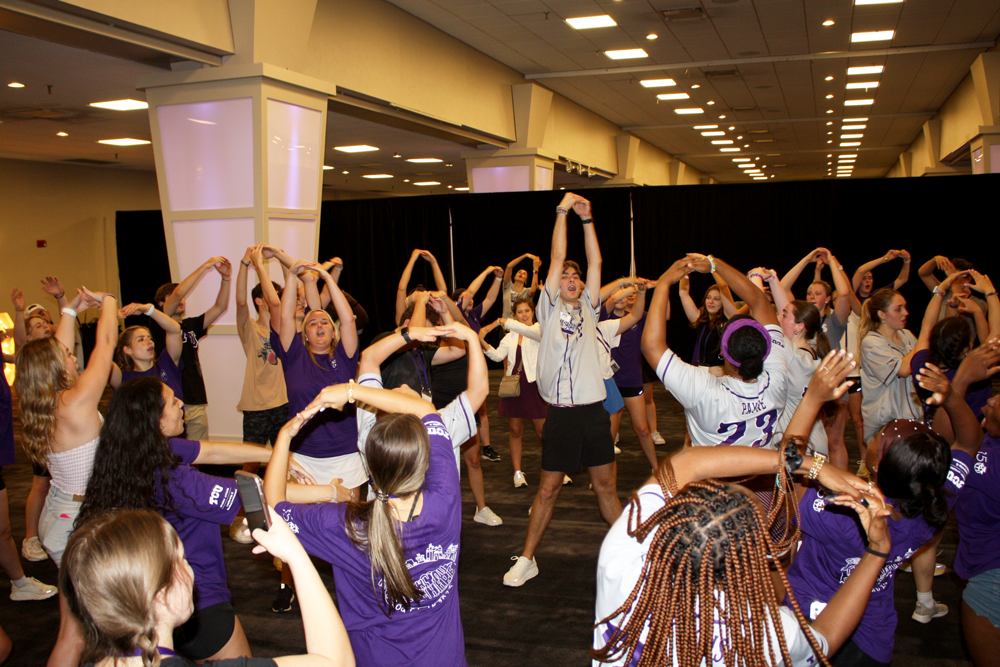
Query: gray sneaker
column 924, row 614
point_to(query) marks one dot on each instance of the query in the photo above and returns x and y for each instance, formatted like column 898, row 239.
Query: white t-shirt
column 620, row 566
column 801, row 366
column 726, row 410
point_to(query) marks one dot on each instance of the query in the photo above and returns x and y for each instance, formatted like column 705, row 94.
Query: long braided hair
column 708, row 559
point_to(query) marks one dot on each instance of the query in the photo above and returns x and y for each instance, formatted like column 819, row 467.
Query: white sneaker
column 939, row 568
column 237, row 532
column 519, row 480
column 488, row 517
column 924, row 614
column 33, row 589
column 566, row 480
column 522, row 570
column 618, row 450
column 657, row 438
column 32, row 549
column 616, row 438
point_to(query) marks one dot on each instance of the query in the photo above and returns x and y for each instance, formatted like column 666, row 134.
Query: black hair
column 258, row 291
column 747, row 347
column 951, row 339
column 913, row 472
column 457, row 294
column 962, row 264
column 133, row 459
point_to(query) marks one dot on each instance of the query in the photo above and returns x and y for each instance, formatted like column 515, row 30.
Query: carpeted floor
column 547, row 622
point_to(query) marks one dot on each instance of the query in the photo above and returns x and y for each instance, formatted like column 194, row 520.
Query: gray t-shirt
column 510, row 296
column 569, row 367
column 834, row 330
column 886, row 395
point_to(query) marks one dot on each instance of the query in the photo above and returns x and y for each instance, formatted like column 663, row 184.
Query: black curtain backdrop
column 747, row 225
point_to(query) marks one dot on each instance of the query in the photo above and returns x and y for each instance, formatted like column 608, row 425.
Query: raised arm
column 558, row 253
column 843, row 308
column 89, row 387
column 760, row 308
column 984, row 286
column 933, row 312
column 509, row 271
column 439, row 280
column 979, row 364
column 270, row 295
column 494, row 291
column 52, row 286
column 242, row 310
column 20, row 336
column 185, row 286
column 373, row 356
column 904, row 271
column 474, row 287
column 926, row 272
column 782, row 297
column 536, row 264
column 348, row 330
column 215, row 311
column 269, row 252
column 691, row 309
column 654, row 334
column 66, row 329
column 404, row 282
column 478, row 381
column 793, row 274
column 286, row 323
column 634, row 315
column 618, row 296
column 859, row 274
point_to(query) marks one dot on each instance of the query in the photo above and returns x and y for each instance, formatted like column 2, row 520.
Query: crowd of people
column 795, row 565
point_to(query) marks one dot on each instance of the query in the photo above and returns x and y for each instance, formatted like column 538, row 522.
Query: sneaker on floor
column 488, row 517
column 489, row 454
column 924, row 614
column 32, row 589
column 237, row 532
column 939, row 568
column 566, row 480
column 519, row 480
column 657, row 438
column 283, row 601
column 618, row 450
column 522, row 570
column 32, row 549
column 616, row 438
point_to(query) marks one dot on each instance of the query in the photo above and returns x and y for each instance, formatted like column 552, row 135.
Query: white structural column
column 239, row 161
column 985, row 148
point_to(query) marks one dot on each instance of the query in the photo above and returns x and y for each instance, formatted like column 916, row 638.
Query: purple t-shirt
column 430, row 633
column 201, row 503
column 6, row 423
column 978, row 514
column 628, row 355
column 165, row 370
column 976, row 396
column 832, row 546
column 475, row 318
column 331, row 432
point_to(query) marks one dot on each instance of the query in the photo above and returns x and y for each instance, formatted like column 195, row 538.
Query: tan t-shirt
column 264, row 380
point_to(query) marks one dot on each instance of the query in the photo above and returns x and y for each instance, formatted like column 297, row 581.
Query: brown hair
column 708, row 555
column 518, row 302
column 125, row 361
column 397, row 454
column 715, row 320
column 41, row 375
column 113, row 568
column 570, row 264
column 870, row 320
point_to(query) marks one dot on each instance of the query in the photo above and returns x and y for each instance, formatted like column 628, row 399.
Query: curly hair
column 708, row 556
column 134, row 457
column 913, row 472
column 41, row 376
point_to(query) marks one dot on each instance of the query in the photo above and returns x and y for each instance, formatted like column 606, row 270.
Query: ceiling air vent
column 744, row 108
column 721, row 73
column 84, row 160
column 685, row 14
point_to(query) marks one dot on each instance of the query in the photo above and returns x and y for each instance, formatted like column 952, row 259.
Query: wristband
column 711, row 261
column 793, row 458
column 533, row 271
column 350, row 390
column 939, row 292
column 817, row 465
column 226, row 278
column 586, row 221
column 906, row 261
column 840, row 267
column 60, row 295
column 993, row 293
column 495, row 279
column 560, row 209
column 876, row 553
column 19, row 310
column 149, row 311
column 405, row 333
column 246, row 264
column 334, row 492
column 68, row 311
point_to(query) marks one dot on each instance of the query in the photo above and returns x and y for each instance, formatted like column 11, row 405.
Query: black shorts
column 575, row 437
column 262, row 426
column 39, row 471
column 856, row 387
column 206, row 632
column 630, row 392
column 648, row 372
column 3, row 484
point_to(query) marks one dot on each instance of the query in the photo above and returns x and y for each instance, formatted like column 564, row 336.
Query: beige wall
column 200, row 21
column 73, row 209
column 960, row 117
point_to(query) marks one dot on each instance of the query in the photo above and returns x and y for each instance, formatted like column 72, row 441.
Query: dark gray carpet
column 547, row 622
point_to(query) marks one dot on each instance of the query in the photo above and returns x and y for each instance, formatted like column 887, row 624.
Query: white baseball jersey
column 801, row 366
column 726, row 410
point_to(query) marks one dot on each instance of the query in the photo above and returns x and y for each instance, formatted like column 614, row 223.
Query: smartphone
column 254, row 504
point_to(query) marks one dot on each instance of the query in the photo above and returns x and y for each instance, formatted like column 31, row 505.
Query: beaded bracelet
column 560, row 209
column 817, row 465
column 586, row 221
column 711, row 260
column 350, row 390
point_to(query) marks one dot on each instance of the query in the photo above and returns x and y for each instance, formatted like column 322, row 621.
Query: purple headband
column 738, row 324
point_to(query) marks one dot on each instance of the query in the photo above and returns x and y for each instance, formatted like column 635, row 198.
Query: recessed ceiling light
column 732, row 127
column 345, row 172
column 829, row 97
column 586, row 22
column 61, row 134
column 720, row 142
column 829, row 78
column 746, row 145
column 729, row 150
column 121, row 105
column 830, row 163
column 396, row 155
column 830, row 155
column 710, row 102
column 423, row 160
column 719, row 133
column 657, row 83
column 850, row 143
column 327, row 167
column 625, row 54
column 465, row 189
column 705, row 127
column 829, row 110
column 651, row 36
column 829, row 141
column 868, row 69
column 722, row 117
column 876, row 2
column 426, row 183
column 740, row 137
column 858, row 103
column 829, row 122
column 829, row 132
column 15, row 84
column 873, row 36
column 689, row 111
column 862, row 85
column 694, row 86
column 828, row 22
column 449, row 187
column 377, row 176
column 362, row 148
column 673, row 96
column 854, row 120
column 123, row 142
column 406, row 180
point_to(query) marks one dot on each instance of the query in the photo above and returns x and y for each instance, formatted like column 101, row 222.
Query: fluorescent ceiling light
column 846, row 155
column 851, row 136
column 760, row 178
column 729, row 150
column 839, row 175
column 718, row 133
column 741, row 159
column 862, row 84
column 853, row 127
column 719, row 142
column 377, row 176
column 586, row 22
column 688, row 111
column 657, row 83
column 625, row 54
column 326, row 167
column 121, row 105
column 753, row 171
column 746, row 166
column 427, row 183
column 705, row 127
column 465, row 189
column 850, row 143
column 15, row 84
column 673, row 96
column 877, row 2
column 123, row 142
column 874, row 36
column 355, row 149
column 845, row 161
column 868, row 69
column 857, row 103
column 423, row 160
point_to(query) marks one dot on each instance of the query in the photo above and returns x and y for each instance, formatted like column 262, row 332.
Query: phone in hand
column 254, row 504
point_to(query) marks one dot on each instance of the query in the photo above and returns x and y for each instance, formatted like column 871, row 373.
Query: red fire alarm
column 41, row 243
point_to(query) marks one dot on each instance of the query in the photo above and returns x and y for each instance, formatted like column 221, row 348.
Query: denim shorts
column 983, row 595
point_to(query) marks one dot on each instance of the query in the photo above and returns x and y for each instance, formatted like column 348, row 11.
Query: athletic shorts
column 648, row 372
column 206, row 632
column 575, row 437
column 983, row 595
column 261, row 426
column 630, row 392
column 347, row 467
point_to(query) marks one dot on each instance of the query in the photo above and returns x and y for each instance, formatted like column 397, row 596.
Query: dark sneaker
column 284, row 599
column 488, row 454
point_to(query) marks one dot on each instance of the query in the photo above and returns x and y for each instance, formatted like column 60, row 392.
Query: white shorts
column 348, row 467
column 56, row 522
